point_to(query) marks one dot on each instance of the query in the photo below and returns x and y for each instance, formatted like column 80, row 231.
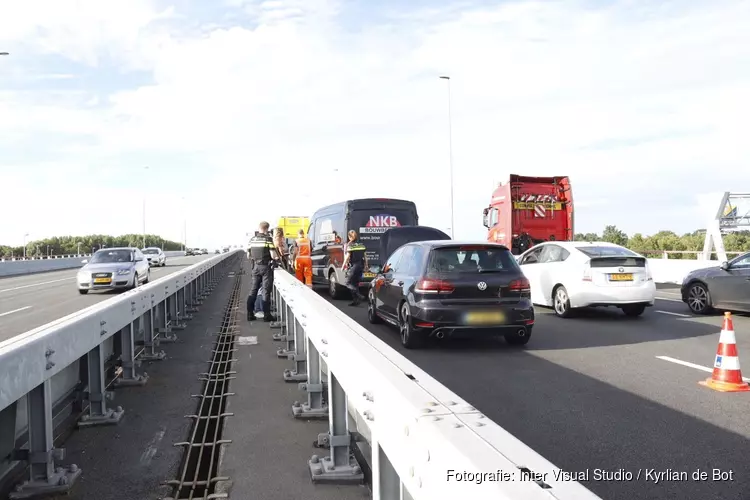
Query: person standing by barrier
column 303, row 259
column 355, row 262
column 263, row 252
column 280, row 244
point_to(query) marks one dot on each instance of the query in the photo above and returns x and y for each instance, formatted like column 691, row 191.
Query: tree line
column 72, row 245
column 668, row 241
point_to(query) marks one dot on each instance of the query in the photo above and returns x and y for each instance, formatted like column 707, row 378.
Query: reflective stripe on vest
column 303, row 247
column 355, row 247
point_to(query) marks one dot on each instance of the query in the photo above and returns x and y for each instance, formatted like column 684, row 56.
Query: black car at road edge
column 446, row 288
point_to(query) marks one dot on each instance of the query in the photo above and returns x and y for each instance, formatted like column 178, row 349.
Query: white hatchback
column 567, row 275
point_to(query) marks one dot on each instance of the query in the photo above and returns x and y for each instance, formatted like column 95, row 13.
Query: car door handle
column 400, row 283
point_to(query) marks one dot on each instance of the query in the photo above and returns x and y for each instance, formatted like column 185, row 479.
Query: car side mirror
column 725, row 265
column 85, row 261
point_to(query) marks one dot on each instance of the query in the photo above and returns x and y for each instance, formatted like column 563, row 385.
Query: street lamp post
column 450, row 147
column 184, row 223
column 144, row 216
column 4, row 53
column 24, row 244
column 79, row 249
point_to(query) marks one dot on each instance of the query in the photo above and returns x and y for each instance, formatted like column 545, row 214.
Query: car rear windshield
column 470, row 259
column 151, row 251
column 107, row 256
column 606, row 251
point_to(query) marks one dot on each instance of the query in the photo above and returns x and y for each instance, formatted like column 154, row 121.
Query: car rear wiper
column 490, row 270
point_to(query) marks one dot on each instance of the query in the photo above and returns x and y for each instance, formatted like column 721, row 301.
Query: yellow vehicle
column 292, row 224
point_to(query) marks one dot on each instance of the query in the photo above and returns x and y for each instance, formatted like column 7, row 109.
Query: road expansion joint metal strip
column 198, row 473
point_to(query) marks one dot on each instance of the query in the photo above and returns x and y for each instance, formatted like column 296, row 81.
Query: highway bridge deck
column 590, row 393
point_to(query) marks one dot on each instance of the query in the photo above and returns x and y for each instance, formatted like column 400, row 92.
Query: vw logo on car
column 482, row 285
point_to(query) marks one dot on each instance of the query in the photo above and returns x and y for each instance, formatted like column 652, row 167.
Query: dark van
column 370, row 218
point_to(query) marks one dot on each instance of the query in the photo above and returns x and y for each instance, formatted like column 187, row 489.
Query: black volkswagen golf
column 445, row 288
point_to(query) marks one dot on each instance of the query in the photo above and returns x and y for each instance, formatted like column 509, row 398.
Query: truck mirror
column 485, row 211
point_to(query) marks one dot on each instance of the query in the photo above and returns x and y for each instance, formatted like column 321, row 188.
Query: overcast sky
column 645, row 104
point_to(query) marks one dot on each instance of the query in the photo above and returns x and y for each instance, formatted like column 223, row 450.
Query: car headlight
column 121, row 272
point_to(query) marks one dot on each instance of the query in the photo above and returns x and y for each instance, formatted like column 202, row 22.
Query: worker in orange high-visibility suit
column 303, row 260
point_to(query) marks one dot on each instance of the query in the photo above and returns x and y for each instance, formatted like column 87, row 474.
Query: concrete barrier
column 56, row 263
column 675, row 270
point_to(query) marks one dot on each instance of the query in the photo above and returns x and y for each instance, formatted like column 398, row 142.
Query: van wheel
column 334, row 289
column 83, row 292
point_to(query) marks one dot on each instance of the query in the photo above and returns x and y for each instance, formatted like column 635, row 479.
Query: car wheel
column 334, row 289
column 409, row 338
column 83, row 292
column 136, row 283
column 148, row 277
column 699, row 299
column 372, row 316
column 516, row 339
column 561, row 302
column 633, row 310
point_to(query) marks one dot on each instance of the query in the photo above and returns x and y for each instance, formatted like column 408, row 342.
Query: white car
column 155, row 256
column 568, row 275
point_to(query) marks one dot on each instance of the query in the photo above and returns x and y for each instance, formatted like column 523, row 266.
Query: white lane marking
column 34, row 284
column 670, row 300
column 692, row 365
column 14, row 311
column 674, row 314
column 153, row 447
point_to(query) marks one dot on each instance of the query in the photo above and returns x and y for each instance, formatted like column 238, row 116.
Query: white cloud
column 642, row 105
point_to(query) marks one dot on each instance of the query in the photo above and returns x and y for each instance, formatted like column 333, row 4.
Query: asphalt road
column 591, row 392
column 30, row 301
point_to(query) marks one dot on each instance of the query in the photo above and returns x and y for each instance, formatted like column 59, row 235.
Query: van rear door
column 370, row 224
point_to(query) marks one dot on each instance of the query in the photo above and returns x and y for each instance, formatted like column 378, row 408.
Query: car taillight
column 433, row 286
column 587, row 272
column 520, row 285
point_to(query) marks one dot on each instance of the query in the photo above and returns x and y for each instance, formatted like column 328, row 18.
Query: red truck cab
column 528, row 210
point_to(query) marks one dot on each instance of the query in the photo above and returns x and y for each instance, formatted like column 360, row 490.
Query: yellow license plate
column 369, row 275
column 620, row 277
column 485, row 318
column 102, row 280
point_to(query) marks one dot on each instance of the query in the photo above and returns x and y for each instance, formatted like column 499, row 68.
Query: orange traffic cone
column 727, row 376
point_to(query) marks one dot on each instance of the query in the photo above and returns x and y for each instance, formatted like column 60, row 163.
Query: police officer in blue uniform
column 264, row 256
column 355, row 262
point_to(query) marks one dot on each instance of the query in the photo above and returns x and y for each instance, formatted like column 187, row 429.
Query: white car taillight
column 587, row 272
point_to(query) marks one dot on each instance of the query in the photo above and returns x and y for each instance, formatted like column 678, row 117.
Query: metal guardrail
column 70, row 358
column 427, row 443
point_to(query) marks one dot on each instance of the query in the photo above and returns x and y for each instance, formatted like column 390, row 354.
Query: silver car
column 155, row 256
column 113, row 268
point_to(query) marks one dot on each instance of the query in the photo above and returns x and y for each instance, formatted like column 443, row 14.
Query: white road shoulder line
column 35, row 284
column 692, row 365
column 14, row 311
column 670, row 300
column 675, row 314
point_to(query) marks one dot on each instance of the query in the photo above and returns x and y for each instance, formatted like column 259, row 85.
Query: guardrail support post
column 314, row 408
column 165, row 325
column 173, row 310
column 182, row 304
column 127, row 359
column 299, row 356
column 386, row 485
column 44, row 478
column 340, row 466
column 146, row 326
column 281, row 314
column 8, row 429
column 98, row 413
column 288, row 322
